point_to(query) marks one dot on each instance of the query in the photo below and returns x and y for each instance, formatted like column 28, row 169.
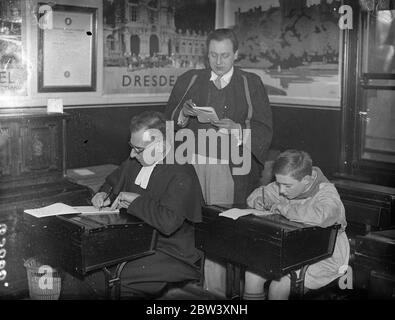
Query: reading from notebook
column 205, row 114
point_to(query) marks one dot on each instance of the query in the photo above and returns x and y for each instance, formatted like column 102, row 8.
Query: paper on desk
column 236, row 213
column 91, row 210
column 83, row 172
column 51, row 210
column 61, row 208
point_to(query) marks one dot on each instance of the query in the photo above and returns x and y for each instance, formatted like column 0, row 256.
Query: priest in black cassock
column 166, row 196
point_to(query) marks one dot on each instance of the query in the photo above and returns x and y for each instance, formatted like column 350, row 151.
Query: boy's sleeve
column 324, row 210
column 253, row 196
column 271, row 195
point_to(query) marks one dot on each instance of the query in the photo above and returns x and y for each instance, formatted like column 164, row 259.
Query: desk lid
column 97, row 223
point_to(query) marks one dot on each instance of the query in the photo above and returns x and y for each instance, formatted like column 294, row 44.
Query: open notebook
column 236, row 213
column 61, row 208
column 206, row 114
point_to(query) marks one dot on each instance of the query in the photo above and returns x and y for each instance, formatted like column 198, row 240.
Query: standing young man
column 242, row 105
column 241, row 102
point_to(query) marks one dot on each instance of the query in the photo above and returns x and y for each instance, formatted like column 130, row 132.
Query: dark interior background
column 100, row 135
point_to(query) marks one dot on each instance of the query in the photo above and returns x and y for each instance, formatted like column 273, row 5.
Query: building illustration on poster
column 144, row 52
column 13, row 75
column 293, row 45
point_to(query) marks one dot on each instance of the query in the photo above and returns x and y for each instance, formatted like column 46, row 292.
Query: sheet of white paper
column 51, row 210
column 83, row 172
column 91, row 210
column 236, row 213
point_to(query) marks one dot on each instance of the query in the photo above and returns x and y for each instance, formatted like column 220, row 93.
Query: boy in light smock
column 303, row 194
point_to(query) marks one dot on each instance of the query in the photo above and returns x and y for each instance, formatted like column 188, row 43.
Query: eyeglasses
column 139, row 150
column 136, row 149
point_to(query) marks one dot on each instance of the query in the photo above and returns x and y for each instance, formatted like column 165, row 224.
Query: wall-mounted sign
column 67, row 50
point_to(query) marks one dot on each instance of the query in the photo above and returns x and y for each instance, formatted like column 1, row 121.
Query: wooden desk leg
column 202, row 262
column 297, row 283
column 229, row 280
column 113, row 280
column 108, row 283
column 242, row 281
column 237, row 282
column 234, row 280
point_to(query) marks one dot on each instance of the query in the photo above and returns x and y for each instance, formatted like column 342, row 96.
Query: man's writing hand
column 187, row 109
column 124, row 200
column 99, row 200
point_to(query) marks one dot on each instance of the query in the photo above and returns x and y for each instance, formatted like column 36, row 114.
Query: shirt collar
column 225, row 79
column 144, row 175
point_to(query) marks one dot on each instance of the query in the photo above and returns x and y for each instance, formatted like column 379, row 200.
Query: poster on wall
column 293, row 45
column 149, row 43
column 13, row 75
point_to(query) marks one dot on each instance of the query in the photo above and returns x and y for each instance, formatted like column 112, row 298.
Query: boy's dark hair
column 223, row 34
column 292, row 162
column 148, row 120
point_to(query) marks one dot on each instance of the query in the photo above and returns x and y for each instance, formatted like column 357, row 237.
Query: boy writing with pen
column 303, row 194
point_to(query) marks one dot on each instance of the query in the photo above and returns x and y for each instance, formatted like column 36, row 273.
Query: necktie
column 217, row 82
